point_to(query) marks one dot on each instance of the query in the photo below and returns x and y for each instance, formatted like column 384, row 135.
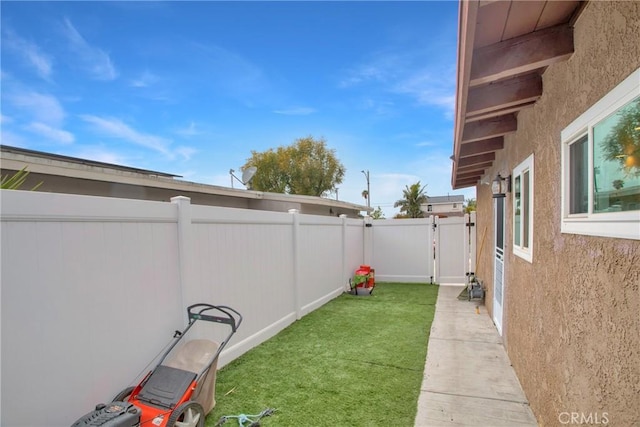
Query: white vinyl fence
column 92, row 288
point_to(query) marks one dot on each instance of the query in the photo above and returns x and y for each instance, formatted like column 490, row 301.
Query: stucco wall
column 572, row 317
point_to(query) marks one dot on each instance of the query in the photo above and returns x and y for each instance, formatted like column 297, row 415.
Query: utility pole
column 366, row 174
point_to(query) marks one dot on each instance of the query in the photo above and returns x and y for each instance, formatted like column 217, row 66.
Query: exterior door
column 498, row 272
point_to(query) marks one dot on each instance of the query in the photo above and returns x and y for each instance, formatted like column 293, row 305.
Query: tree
column 622, row 144
column 377, row 213
column 365, row 194
column 414, row 197
column 307, row 167
column 470, row 206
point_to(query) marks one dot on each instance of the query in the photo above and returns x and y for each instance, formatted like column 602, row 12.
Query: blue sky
column 190, row 88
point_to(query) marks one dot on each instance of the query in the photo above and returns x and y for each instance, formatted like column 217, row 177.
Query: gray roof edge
column 150, row 178
column 445, row 199
column 60, row 157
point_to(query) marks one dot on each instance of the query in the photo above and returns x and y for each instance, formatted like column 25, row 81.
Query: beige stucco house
column 548, row 99
column 64, row 174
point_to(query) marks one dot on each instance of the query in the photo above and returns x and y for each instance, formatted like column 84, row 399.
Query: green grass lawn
column 356, row 361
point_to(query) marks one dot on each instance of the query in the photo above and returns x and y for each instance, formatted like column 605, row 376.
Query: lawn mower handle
column 233, row 320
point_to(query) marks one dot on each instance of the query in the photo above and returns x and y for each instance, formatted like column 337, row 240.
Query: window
column 523, row 209
column 429, row 208
column 601, row 166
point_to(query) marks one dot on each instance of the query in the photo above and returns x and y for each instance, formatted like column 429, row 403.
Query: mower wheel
column 123, row 395
column 189, row 414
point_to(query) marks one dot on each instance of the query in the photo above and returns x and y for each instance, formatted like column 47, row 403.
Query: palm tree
column 414, row 197
column 365, row 194
column 15, row 181
column 470, row 206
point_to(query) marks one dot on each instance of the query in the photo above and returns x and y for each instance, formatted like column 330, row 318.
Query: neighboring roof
column 14, row 158
column 445, row 199
column 504, row 48
column 51, row 156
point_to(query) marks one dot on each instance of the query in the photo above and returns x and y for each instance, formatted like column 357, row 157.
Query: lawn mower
column 180, row 390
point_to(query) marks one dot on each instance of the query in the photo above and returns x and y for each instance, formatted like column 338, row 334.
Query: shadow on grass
column 356, row 361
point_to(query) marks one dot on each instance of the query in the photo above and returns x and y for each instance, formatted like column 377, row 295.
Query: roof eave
column 467, row 27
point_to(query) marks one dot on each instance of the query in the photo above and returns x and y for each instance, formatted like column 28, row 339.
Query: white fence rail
column 92, row 288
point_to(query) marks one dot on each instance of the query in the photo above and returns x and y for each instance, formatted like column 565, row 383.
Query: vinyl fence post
column 296, row 261
column 432, row 249
column 184, row 246
column 368, row 240
column 436, row 249
column 472, row 241
column 345, row 275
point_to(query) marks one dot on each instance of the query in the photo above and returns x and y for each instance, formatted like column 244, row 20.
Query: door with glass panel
column 498, row 272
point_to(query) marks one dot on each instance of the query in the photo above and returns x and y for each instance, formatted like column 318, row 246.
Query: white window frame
column 624, row 224
column 525, row 253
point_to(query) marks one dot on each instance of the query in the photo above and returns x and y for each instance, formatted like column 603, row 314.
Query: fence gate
column 440, row 250
column 454, row 248
column 402, row 250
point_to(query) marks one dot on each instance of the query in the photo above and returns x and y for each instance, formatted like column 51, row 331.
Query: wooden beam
column 521, row 55
column 468, row 180
column 489, row 128
column 471, row 175
column 480, row 158
column 478, row 166
column 504, row 94
column 465, row 183
column 502, row 112
column 483, row 146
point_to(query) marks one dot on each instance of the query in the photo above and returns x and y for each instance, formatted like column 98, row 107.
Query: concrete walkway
column 468, row 379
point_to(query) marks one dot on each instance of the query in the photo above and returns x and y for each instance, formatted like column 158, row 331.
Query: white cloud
column 118, row 129
column 230, row 71
column 296, row 111
column 30, row 52
column 427, row 144
column 43, row 108
column 428, row 90
column 186, row 152
column 12, row 139
column 51, row 133
column 379, row 107
column 377, row 72
column 188, row 131
column 411, row 73
column 96, row 61
column 145, row 79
